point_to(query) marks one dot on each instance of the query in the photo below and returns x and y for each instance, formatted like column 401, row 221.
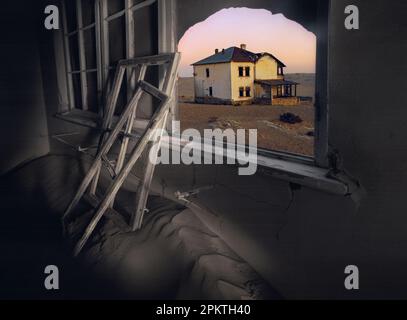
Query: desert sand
column 273, row 134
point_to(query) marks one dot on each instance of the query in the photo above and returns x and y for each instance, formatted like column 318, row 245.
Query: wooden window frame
column 208, row 73
column 169, row 42
column 101, row 26
column 83, row 70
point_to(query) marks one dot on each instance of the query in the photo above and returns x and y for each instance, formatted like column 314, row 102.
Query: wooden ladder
column 123, row 128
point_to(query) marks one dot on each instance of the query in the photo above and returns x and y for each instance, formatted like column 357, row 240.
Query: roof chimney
column 243, row 46
column 216, row 50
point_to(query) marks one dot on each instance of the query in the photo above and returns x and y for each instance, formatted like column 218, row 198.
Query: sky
column 259, row 29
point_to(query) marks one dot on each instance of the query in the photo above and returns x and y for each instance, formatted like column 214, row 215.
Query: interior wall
column 302, row 242
column 367, row 126
column 23, row 125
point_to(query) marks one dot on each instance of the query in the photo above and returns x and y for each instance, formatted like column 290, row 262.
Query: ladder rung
column 149, row 60
column 150, row 89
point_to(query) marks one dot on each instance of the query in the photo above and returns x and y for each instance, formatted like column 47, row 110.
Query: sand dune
column 174, row 256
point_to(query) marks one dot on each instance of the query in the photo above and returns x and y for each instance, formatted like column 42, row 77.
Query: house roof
column 274, row 83
column 234, row 54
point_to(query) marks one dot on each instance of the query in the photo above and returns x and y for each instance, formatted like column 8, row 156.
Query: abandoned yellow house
column 237, row 76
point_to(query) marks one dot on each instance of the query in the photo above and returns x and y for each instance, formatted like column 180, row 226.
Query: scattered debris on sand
column 290, row 118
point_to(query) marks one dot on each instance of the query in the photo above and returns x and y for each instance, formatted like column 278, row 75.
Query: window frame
column 321, row 149
column 83, row 71
column 208, row 73
column 168, row 41
column 101, row 25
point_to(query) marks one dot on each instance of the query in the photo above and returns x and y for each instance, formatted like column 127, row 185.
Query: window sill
column 93, row 120
column 302, row 172
column 80, row 117
column 305, row 174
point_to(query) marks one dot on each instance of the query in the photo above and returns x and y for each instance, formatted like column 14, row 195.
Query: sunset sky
column 259, row 29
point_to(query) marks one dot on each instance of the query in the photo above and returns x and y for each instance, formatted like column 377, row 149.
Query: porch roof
column 275, row 83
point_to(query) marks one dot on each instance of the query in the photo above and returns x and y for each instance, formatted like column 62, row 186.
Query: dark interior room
column 84, row 102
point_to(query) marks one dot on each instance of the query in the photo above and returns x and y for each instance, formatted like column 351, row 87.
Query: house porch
column 276, row 92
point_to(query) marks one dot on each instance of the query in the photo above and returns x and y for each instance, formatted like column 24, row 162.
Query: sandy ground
column 272, row 133
column 174, row 256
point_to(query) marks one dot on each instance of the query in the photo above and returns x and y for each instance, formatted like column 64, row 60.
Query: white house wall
column 219, row 80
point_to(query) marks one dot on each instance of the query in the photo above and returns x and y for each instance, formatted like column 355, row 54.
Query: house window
column 247, row 69
column 207, row 72
column 241, row 92
column 248, row 92
column 210, row 91
column 241, row 69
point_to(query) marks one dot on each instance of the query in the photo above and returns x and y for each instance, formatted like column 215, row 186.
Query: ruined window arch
column 308, row 16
